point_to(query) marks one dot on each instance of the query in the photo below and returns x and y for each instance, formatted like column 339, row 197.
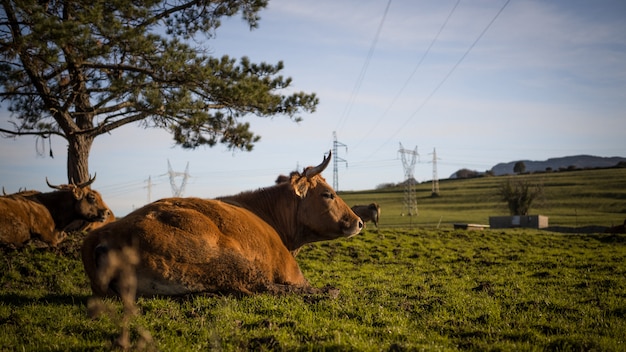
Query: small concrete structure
column 462, row 226
column 525, row 221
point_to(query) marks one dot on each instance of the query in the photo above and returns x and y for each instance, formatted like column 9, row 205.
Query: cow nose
column 360, row 224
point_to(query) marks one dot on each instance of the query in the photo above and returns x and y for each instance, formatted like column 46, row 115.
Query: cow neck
column 60, row 204
column 277, row 206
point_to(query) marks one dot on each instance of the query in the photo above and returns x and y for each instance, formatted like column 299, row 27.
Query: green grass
column 402, row 289
column 399, row 290
column 571, row 199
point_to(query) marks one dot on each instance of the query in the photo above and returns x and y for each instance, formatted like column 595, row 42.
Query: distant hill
column 576, row 161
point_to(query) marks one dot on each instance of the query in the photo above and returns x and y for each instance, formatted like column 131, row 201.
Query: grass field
column 571, row 199
column 401, row 289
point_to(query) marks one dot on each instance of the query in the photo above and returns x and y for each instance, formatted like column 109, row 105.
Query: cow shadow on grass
column 18, row 300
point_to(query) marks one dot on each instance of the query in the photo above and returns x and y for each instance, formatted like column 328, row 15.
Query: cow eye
column 328, row 195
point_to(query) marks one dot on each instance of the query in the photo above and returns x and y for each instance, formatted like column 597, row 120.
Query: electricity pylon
column 410, row 201
column 149, row 187
column 435, row 188
column 336, row 160
column 177, row 191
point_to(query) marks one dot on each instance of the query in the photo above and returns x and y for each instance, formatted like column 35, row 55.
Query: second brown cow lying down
column 238, row 244
column 46, row 216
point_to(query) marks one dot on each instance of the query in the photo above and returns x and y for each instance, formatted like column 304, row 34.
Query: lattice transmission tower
column 337, row 160
column 149, row 187
column 176, row 190
column 410, row 200
column 435, row 188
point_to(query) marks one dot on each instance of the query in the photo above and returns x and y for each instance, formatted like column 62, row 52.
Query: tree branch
column 107, row 127
column 167, row 12
column 44, row 134
column 120, row 67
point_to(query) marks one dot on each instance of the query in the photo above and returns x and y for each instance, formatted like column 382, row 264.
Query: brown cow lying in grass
column 237, row 244
column 45, row 216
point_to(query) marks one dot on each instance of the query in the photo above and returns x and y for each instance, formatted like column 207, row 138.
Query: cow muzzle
column 102, row 216
column 352, row 228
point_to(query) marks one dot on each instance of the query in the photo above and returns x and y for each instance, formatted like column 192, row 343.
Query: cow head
column 88, row 203
column 321, row 210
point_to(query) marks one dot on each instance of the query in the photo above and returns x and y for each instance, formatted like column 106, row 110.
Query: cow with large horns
column 28, row 214
column 237, row 244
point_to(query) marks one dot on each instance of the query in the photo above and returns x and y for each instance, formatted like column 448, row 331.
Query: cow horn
column 310, row 172
column 87, row 183
column 52, row 186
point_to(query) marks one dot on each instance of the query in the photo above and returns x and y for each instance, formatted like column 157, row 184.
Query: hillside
column 576, row 161
column 573, row 199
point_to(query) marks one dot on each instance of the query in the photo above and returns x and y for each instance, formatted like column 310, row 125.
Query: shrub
column 519, row 194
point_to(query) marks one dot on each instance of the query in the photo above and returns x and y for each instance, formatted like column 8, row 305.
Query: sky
column 479, row 82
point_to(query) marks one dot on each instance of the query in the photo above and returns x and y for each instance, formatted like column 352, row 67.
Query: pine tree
column 79, row 69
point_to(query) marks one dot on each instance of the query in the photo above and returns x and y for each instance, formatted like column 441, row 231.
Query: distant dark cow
column 617, row 229
column 239, row 244
column 28, row 214
column 367, row 213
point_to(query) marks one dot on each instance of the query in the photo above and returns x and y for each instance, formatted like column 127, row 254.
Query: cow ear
column 77, row 192
column 300, row 186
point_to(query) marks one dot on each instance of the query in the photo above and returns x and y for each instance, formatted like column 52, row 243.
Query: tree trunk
column 79, row 146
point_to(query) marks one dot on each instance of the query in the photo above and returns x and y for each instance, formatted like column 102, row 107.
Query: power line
column 359, row 81
column 445, row 78
column 120, row 187
column 410, row 77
